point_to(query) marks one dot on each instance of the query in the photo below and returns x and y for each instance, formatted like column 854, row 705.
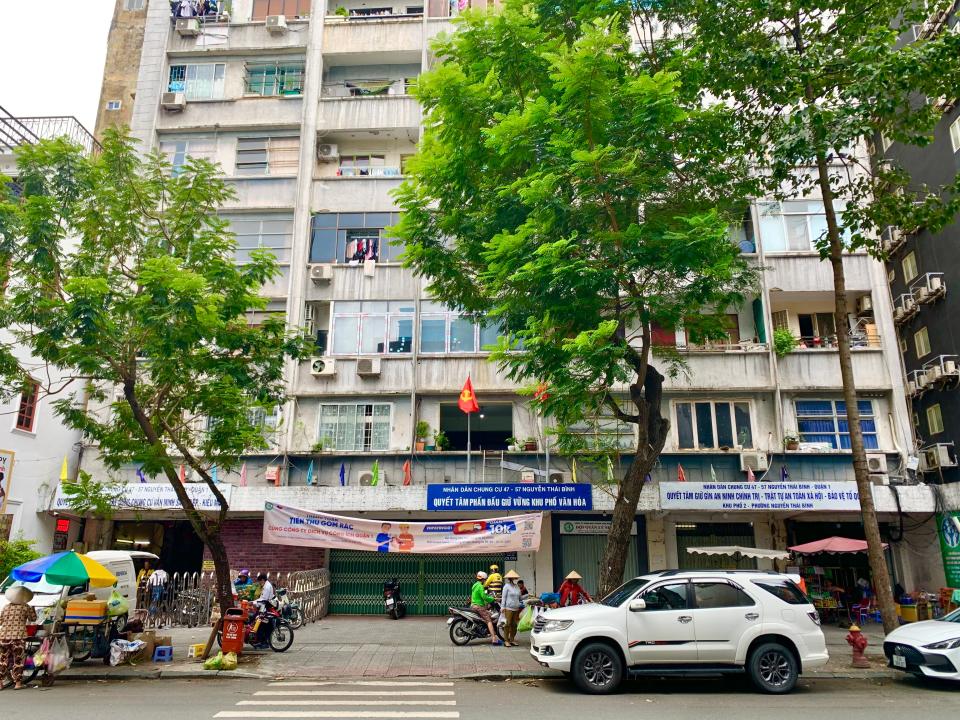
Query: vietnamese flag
column 468, row 401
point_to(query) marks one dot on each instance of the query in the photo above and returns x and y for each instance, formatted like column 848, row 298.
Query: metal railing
column 17, row 131
column 377, row 87
column 189, row 599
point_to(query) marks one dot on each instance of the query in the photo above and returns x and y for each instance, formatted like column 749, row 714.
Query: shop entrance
column 174, row 541
column 578, row 544
column 711, row 535
column 429, row 583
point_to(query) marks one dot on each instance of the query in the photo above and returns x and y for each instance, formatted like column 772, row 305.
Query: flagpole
column 468, row 447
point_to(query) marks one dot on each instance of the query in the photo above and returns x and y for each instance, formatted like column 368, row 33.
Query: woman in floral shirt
column 14, row 619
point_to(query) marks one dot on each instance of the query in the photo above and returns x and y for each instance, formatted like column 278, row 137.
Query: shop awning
column 836, row 545
column 739, row 551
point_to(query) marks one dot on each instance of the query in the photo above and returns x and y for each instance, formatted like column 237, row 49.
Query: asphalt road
column 436, row 699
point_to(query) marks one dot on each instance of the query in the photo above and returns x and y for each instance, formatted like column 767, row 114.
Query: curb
column 162, row 675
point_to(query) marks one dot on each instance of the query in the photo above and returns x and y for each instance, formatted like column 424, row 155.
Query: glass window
column 786, row 590
column 177, row 151
column 362, row 427
column 909, row 265
column 271, row 232
column 934, row 419
column 133, row 4
column 624, row 592
column 604, row 433
column 291, row 8
column 825, row 421
column 666, row 597
column 27, row 410
column 274, row 78
column 447, row 331
column 267, row 156
column 921, row 341
column 793, row 225
column 955, row 133
column 712, row 595
column 714, row 424
column 198, row 82
column 352, row 238
column 372, row 328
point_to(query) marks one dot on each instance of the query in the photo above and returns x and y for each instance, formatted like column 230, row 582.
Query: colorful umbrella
column 836, row 545
column 65, row 568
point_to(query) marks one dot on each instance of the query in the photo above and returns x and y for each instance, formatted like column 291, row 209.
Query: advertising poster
column 760, row 496
column 285, row 525
column 6, row 477
column 948, row 527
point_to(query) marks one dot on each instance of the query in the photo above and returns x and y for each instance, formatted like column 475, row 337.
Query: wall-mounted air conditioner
column 559, row 476
column 173, row 101
column 277, row 24
column 188, row 27
column 876, row 463
column 323, row 367
column 756, row 461
column 368, row 367
column 321, row 274
column 327, row 152
column 864, row 305
column 365, row 478
column 937, row 456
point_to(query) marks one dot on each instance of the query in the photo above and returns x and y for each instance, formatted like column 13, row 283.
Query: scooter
column 466, row 625
column 277, row 635
column 290, row 609
column 393, row 601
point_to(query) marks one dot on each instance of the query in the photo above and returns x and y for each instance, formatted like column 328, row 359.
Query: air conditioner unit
column 368, row 366
column 188, row 27
column 864, row 305
column 876, row 463
column 923, row 293
column 892, row 237
column 898, row 314
column 558, row 477
column 934, row 373
column 911, row 387
column 173, row 101
column 321, row 274
column 756, row 461
column 949, row 367
column 935, row 284
column 936, row 456
column 277, row 24
column 908, row 304
column 921, row 380
column 365, row 478
column 323, row 367
column 327, row 152
column 879, row 478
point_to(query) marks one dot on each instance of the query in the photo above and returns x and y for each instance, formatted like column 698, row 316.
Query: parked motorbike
column 395, row 605
column 266, row 628
column 466, row 625
column 290, row 609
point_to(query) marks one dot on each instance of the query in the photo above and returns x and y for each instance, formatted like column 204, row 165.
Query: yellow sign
column 207, row 566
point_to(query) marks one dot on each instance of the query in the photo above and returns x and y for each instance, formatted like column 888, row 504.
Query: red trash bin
column 231, row 637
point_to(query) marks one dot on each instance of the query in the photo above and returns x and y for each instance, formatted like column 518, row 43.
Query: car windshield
column 952, row 617
column 624, row 592
column 41, row 587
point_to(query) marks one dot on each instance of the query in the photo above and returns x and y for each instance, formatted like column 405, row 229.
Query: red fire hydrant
column 858, row 643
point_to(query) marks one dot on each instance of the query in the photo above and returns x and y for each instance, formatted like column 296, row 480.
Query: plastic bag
column 40, row 656
column 229, row 661
column 58, row 659
column 214, row 663
column 117, row 604
column 123, row 650
column 526, row 620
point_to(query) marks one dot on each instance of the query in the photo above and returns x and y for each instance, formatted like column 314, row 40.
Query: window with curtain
column 268, row 155
column 447, row 331
column 362, row 427
column 270, row 232
column 792, row 225
column 825, row 421
column 198, row 82
column 290, row 8
column 712, row 424
column 334, row 237
column 274, row 78
column 372, row 327
column 177, row 151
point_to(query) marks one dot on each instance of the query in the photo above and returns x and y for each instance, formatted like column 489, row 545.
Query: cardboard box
column 86, row 612
column 162, row 640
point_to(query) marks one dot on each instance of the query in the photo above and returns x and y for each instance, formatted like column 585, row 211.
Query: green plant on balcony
column 342, row 12
column 791, row 440
column 783, row 342
column 423, row 432
column 441, row 441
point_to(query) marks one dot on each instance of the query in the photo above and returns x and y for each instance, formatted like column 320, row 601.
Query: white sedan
column 930, row 648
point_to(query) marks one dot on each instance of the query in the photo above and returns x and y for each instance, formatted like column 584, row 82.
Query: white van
column 123, row 563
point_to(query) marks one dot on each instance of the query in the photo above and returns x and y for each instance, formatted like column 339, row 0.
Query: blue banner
column 526, row 496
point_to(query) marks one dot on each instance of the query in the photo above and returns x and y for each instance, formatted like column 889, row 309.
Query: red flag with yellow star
column 468, row 401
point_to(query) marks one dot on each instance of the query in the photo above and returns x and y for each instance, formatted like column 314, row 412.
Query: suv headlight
column 556, row 625
column 951, row 644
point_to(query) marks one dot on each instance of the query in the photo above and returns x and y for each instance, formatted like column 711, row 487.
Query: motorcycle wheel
column 281, row 637
column 401, row 610
column 394, row 615
column 296, row 618
column 460, row 635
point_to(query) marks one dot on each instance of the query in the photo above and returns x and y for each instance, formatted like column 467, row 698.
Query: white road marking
column 356, row 693
column 368, row 683
column 365, row 703
column 438, row 715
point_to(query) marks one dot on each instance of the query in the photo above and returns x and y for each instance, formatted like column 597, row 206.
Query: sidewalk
column 351, row 646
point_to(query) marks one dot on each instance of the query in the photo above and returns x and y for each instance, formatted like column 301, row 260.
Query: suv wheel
column 597, row 669
column 773, row 669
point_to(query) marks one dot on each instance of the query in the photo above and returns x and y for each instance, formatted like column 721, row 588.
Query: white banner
column 759, row 496
column 156, row 496
column 6, row 477
column 285, row 525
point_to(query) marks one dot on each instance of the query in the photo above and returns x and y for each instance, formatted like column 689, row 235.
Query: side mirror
column 637, row 605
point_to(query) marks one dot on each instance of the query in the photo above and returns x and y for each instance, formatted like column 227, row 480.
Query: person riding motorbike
column 479, row 603
column 267, row 596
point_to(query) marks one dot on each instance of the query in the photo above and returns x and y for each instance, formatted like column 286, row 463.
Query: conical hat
column 574, row 575
column 512, row 575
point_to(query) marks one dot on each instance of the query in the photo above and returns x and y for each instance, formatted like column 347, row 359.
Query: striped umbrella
column 65, row 568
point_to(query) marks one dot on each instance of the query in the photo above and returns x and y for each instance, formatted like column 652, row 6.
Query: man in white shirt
column 267, row 593
column 157, row 584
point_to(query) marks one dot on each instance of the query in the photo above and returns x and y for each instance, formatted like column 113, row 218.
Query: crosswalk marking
column 358, row 693
column 365, row 683
column 367, row 703
column 333, row 714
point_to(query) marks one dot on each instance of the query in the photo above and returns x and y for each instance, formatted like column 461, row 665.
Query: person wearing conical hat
column 14, row 619
column 571, row 592
column 511, row 603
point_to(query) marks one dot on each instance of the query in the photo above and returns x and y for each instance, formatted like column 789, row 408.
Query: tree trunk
column 221, row 566
column 878, row 564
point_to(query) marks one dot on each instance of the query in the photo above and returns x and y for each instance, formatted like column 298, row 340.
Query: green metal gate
column 429, row 583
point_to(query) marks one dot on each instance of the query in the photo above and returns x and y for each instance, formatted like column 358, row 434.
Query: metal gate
column 429, row 583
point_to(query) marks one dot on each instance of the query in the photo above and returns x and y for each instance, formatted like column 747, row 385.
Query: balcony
column 388, row 282
column 219, row 37
column 808, row 273
column 393, row 38
column 341, row 111
column 339, row 377
column 928, row 288
column 819, row 369
column 263, row 192
column 445, row 375
column 743, row 366
column 242, row 114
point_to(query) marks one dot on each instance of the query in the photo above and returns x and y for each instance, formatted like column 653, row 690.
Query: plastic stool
column 196, row 650
column 163, row 653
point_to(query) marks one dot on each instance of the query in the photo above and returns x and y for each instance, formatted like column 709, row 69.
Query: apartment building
column 308, row 111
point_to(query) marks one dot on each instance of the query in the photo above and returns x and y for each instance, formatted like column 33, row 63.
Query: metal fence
column 189, row 599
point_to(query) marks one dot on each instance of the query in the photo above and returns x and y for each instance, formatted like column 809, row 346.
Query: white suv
column 686, row 622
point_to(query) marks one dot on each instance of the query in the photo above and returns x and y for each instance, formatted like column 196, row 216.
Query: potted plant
column 513, row 445
column 783, row 342
column 317, row 448
column 342, row 12
column 440, row 440
column 791, row 441
column 423, row 432
column 530, row 444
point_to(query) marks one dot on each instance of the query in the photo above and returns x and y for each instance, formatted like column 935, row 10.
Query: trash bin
column 231, row 637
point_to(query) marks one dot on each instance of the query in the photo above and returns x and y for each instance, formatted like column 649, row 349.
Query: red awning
column 831, row 545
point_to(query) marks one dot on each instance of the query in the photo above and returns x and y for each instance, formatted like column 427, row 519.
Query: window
column 780, row 321
column 713, row 424
column 909, row 265
column 447, row 331
column 934, row 419
column 27, row 412
column 177, row 151
column 268, row 156
column 921, row 342
column 825, row 421
column 263, row 418
column 334, row 237
column 355, row 427
column 114, row 105
column 198, row 82
column 270, row 232
column 274, row 78
column 714, row 595
column 786, row 590
column 366, row 166
column 792, row 226
column 955, row 133
column 133, row 4
column 666, row 597
column 903, row 345
column 290, row 8
column 604, row 433
column 372, row 327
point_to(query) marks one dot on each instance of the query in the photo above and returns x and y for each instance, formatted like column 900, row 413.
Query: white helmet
column 481, row 575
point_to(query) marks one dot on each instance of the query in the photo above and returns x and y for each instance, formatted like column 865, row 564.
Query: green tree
column 810, row 81
column 15, row 552
column 566, row 189
column 124, row 277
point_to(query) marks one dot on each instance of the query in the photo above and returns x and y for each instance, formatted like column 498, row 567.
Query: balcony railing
column 366, row 88
column 16, row 131
column 377, row 171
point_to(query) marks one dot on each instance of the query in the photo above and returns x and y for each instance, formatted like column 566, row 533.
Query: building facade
column 308, row 111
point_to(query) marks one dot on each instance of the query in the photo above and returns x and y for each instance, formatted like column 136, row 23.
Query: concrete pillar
column 656, row 543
